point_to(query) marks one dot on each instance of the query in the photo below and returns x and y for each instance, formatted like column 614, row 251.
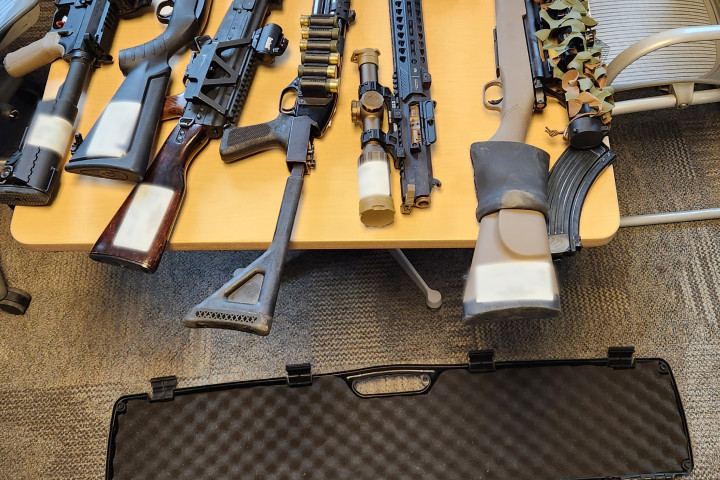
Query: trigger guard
column 165, row 19
column 290, row 88
column 492, row 104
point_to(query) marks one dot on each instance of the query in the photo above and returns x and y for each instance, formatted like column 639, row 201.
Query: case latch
column 481, row 361
column 163, row 388
column 298, row 375
column 621, row 357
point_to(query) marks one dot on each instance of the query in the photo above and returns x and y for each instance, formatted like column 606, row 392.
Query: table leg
column 433, row 298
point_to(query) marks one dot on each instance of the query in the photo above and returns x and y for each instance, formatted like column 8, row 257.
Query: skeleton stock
column 511, row 275
column 247, row 301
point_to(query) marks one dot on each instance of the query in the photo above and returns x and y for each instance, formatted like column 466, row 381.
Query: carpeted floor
column 94, row 332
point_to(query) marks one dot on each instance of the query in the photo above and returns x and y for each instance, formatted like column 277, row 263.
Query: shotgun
column 81, row 33
column 247, row 301
column 120, row 143
column 217, row 82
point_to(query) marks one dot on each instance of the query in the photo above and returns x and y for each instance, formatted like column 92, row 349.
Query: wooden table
column 235, row 206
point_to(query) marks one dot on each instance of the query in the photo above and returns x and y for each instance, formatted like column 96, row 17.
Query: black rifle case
column 612, row 418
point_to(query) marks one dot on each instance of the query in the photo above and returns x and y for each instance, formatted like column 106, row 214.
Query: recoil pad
column 510, row 175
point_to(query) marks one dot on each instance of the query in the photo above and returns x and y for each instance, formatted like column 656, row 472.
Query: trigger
column 164, row 11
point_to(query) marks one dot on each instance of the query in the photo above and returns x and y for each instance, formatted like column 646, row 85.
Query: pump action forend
column 81, row 33
column 512, row 275
column 120, row 143
column 217, row 81
column 247, row 301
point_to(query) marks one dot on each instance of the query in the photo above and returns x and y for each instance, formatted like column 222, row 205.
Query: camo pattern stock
column 568, row 41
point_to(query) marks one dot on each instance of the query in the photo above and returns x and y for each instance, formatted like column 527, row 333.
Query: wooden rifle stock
column 138, row 233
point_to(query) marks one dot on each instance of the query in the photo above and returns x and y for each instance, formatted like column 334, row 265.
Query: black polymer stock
column 247, row 301
column 120, row 143
column 81, row 33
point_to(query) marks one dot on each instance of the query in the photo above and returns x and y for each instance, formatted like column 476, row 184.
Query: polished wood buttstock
column 138, row 233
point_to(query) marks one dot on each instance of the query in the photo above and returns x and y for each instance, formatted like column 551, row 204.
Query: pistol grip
column 33, row 56
column 242, row 142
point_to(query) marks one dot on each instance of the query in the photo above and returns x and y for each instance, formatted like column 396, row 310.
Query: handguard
column 120, row 143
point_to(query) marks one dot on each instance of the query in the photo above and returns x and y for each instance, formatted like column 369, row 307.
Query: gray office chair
column 666, row 43
column 16, row 16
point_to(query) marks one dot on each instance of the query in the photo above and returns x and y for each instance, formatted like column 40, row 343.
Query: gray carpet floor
column 94, row 332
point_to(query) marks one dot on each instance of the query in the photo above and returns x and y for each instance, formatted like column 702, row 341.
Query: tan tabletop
column 235, row 206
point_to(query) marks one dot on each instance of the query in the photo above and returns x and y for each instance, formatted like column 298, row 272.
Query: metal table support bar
column 433, row 298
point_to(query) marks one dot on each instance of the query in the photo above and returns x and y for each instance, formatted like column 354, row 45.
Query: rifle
column 512, row 274
column 217, row 81
column 411, row 111
column 119, row 144
column 247, row 301
column 567, row 65
column 81, row 33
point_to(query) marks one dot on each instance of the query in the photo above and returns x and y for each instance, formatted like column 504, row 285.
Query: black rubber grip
column 242, row 142
column 129, row 58
column 510, row 175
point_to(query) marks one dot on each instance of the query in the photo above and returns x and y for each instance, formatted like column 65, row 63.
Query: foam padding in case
column 523, row 421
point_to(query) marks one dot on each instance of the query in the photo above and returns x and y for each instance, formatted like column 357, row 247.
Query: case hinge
column 621, row 357
column 299, row 375
column 163, row 388
column 481, row 361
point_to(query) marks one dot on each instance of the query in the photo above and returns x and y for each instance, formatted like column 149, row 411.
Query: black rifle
column 411, row 112
column 81, row 33
column 120, row 143
column 247, row 301
column 217, row 82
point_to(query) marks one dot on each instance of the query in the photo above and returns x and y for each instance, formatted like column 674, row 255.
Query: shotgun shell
column 317, row 71
column 315, row 45
column 327, row 21
column 326, row 33
column 321, row 58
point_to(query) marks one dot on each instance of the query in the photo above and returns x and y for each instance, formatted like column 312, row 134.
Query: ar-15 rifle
column 217, row 82
column 81, row 33
column 512, row 274
column 247, row 301
column 119, row 144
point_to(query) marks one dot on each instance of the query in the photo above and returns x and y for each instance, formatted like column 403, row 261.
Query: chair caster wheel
column 15, row 302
